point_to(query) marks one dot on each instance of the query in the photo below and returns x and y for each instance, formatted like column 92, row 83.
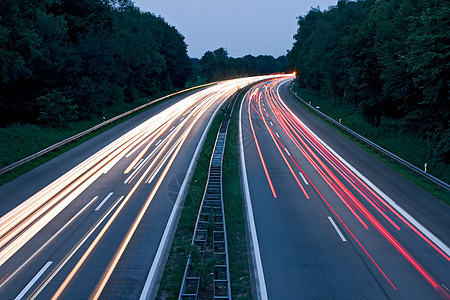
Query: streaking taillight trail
column 340, row 178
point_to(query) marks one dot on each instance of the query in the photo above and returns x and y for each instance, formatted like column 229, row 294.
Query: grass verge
column 234, row 216
column 389, row 136
column 234, row 212
column 21, row 140
column 179, row 252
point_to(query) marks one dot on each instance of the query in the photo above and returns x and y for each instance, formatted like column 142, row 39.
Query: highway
column 93, row 222
column 327, row 220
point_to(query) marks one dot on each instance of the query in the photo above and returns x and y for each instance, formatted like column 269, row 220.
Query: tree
column 56, row 109
column 217, row 65
column 86, row 53
column 390, row 58
column 209, row 66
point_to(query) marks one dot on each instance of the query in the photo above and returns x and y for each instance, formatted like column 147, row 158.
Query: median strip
column 209, row 253
column 233, row 205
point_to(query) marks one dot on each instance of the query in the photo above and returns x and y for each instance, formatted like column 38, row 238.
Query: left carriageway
column 88, row 223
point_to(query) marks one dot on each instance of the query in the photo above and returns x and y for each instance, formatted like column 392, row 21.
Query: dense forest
column 66, row 60
column 218, row 65
column 390, row 58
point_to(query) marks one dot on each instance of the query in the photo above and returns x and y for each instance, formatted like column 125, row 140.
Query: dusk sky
column 241, row 26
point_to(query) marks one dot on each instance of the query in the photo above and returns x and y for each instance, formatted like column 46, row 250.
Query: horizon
column 197, row 20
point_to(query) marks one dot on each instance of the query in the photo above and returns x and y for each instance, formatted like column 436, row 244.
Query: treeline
column 388, row 57
column 218, row 65
column 62, row 60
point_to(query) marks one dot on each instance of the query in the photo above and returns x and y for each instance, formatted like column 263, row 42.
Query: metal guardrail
column 72, row 138
column 211, row 211
column 401, row 161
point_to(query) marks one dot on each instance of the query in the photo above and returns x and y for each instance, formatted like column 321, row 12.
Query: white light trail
column 22, row 223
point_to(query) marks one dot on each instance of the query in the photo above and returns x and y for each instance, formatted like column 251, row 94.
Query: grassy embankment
column 388, row 135
column 234, row 216
column 22, row 140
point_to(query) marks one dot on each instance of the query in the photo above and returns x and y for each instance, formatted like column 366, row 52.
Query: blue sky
column 241, row 26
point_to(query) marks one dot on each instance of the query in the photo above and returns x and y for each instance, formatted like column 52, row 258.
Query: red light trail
column 329, row 167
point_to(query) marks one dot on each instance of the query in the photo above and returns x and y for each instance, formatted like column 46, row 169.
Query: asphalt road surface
column 330, row 221
column 89, row 223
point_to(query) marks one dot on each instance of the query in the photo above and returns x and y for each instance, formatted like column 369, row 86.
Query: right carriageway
column 327, row 220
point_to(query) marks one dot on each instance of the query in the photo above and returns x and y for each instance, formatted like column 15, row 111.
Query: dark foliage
column 388, row 57
column 217, row 65
column 62, row 60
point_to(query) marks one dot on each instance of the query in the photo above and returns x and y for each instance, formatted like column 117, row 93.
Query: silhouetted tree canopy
column 388, row 57
column 67, row 59
column 217, row 65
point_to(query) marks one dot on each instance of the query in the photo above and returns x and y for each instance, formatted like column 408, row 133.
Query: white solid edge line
column 162, row 248
column 33, row 281
column 388, row 199
column 337, row 229
column 259, row 272
column 103, row 202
